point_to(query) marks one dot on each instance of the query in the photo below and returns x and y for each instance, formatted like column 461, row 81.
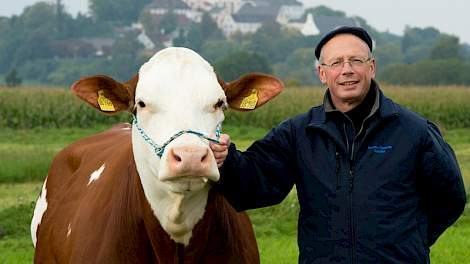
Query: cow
column 142, row 192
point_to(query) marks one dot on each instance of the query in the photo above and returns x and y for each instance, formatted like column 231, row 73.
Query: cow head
column 178, row 103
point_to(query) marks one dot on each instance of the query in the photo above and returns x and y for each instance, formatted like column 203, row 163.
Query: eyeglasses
column 356, row 63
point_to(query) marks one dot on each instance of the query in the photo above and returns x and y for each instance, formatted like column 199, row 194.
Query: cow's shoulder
column 107, row 144
column 75, row 164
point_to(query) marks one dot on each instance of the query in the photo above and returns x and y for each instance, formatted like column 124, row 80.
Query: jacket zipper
column 338, row 185
column 351, row 213
column 351, row 186
column 352, row 231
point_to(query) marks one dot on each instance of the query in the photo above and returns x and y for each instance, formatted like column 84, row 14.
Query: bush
column 12, row 79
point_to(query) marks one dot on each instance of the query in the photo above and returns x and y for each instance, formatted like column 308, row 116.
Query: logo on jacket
column 380, row 149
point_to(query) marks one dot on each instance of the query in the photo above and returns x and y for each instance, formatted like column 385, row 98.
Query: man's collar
column 382, row 104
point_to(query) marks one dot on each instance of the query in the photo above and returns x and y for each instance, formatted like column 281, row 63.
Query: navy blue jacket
column 382, row 195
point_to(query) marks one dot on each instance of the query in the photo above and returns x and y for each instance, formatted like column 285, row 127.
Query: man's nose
column 347, row 68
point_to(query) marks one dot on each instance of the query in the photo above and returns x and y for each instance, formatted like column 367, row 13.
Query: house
column 244, row 16
column 247, row 16
column 208, row 5
column 102, row 46
column 179, row 7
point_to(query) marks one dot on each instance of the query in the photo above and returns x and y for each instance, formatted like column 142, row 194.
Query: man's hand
column 221, row 150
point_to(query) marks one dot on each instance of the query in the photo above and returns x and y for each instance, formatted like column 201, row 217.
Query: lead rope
column 159, row 150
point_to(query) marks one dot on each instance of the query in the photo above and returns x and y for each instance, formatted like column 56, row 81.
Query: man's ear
column 251, row 91
column 321, row 74
column 106, row 94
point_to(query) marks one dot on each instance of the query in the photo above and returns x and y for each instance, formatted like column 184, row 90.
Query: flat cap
column 356, row 31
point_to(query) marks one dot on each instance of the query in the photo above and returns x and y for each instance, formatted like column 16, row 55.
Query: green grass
column 459, row 139
column 25, row 155
column 275, row 227
column 16, row 207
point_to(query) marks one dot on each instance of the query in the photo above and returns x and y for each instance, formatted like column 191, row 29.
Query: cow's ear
column 106, row 94
column 251, row 91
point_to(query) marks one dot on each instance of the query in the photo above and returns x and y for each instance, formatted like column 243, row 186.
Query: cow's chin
column 187, row 185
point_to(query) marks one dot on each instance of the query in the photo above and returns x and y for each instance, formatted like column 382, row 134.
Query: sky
column 448, row 16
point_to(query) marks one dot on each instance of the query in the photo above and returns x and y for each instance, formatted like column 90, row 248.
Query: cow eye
column 141, row 104
column 220, row 104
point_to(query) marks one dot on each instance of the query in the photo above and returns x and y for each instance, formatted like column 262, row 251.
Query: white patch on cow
column 69, row 230
column 96, row 174
column 39, row 210
column 179, row 89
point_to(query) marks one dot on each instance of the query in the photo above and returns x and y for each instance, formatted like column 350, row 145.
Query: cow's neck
column 177, row 213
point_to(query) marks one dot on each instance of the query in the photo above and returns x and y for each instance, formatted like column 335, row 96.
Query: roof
column 216, row 10
column 98, row 43
column 168, row 4
column 277, row 2
column 256, row 14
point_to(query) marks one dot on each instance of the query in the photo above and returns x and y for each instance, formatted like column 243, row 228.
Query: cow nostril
column 175, row 156
column 205, row 156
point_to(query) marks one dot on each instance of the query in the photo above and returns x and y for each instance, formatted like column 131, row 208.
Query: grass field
column 26, row 154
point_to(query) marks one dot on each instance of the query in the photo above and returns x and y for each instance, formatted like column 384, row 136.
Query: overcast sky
column 449, row 16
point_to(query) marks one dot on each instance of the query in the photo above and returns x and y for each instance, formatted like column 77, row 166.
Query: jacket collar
column 384, row 106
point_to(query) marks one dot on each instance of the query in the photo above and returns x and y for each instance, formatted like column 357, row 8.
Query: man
column 376, row 182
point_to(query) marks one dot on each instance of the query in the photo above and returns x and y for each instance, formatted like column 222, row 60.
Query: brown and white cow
column 110, row 198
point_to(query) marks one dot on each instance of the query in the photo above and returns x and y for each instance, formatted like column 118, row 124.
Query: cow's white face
column 178, row 90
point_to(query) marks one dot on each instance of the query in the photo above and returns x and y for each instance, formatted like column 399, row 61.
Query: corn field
column 31, row 107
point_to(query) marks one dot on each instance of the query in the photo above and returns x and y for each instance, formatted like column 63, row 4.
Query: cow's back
column 92, row 203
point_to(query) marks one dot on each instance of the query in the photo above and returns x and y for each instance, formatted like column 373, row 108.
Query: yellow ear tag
column 105, row 103
column 250, row 101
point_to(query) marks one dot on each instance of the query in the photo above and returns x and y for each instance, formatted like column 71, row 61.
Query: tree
column 388, row 54
column 117, row 11
column 418, row 37
column 12, row 79
column 168, row 23
column 199, row 33
column 446, row 47
column 216, row 49
column 298, row 68
column 125, row 60
column 209, row 28
column 236, row 64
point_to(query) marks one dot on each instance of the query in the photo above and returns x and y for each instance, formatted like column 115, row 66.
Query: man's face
column 349, row 82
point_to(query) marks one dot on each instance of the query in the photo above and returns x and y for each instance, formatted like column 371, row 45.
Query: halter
column 159, row 150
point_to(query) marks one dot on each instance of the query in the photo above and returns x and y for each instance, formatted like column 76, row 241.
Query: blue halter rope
column 159, row 150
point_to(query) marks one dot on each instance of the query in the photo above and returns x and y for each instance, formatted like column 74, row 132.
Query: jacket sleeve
column 443, row 189
column 263, row 174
